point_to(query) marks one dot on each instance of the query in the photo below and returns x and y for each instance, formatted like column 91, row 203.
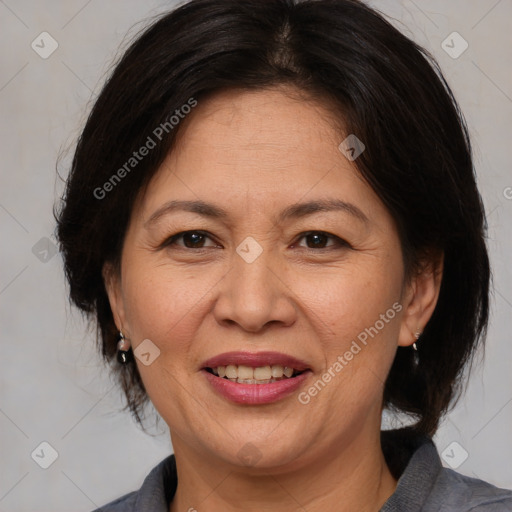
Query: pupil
column 318, row 242
column 192, row 238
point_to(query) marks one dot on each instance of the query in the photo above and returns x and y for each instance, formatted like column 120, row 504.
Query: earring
column 123, row 349
column 415, row 348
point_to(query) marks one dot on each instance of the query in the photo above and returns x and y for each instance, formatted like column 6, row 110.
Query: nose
column 254, row 296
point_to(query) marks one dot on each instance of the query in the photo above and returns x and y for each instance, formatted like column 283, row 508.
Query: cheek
column 162, row 304
column 358, row 311
column 350, row 299
column 165, row 307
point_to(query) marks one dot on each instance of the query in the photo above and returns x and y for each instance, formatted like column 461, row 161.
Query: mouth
column 255, row 378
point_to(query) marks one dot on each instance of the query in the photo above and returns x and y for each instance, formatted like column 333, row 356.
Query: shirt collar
column 414, row 462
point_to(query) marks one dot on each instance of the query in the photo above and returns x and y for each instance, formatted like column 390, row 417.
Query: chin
column 258, row 451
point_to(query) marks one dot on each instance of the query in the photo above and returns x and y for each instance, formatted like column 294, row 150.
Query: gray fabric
column 424, row 485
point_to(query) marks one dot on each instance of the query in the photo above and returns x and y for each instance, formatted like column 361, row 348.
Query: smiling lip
column 254, row 394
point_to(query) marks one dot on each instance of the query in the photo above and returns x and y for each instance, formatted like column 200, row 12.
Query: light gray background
column 53, row 385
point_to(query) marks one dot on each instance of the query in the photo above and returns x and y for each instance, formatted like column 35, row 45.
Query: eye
column 319, row 240
column 191, row 240
column 196, row 239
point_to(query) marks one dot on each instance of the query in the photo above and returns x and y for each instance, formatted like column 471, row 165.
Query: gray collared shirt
column 424, row 485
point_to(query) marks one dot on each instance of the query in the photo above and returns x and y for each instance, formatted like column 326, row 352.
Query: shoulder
column 155, row 494
column 457, row 492
column 425, row 485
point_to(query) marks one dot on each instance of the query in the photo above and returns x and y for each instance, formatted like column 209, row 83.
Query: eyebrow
column 199, row 207
column 293, row 211
column 322, row 205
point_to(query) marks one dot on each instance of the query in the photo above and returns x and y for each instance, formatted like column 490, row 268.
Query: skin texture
column 253, row 154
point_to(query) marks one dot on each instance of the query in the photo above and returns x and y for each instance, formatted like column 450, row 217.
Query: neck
column 354, row 477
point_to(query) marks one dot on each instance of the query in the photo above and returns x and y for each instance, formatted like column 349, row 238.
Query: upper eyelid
column 337, row 239
column 171, row 239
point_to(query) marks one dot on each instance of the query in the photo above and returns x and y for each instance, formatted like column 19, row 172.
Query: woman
column 272, row 214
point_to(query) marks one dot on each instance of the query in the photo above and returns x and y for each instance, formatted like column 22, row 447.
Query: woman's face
column 267, row 275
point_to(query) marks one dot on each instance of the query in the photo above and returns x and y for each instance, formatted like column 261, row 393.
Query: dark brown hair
column 393, row 97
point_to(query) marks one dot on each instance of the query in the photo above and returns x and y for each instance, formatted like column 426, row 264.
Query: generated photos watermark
column 344, row 359
column 151, row 142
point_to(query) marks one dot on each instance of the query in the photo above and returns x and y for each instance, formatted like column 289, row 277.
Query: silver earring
column 415, row 348
column 123, row 349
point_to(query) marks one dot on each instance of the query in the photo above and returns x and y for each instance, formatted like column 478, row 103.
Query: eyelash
column 171, row 241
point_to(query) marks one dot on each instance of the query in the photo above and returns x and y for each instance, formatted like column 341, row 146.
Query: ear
column 420, row 298
column 112, row 281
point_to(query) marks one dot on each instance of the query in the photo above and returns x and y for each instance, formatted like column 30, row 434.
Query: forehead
column 261, row 121
column 270, row 147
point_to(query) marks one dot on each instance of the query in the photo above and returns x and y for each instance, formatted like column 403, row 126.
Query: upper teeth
column 247, row 373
